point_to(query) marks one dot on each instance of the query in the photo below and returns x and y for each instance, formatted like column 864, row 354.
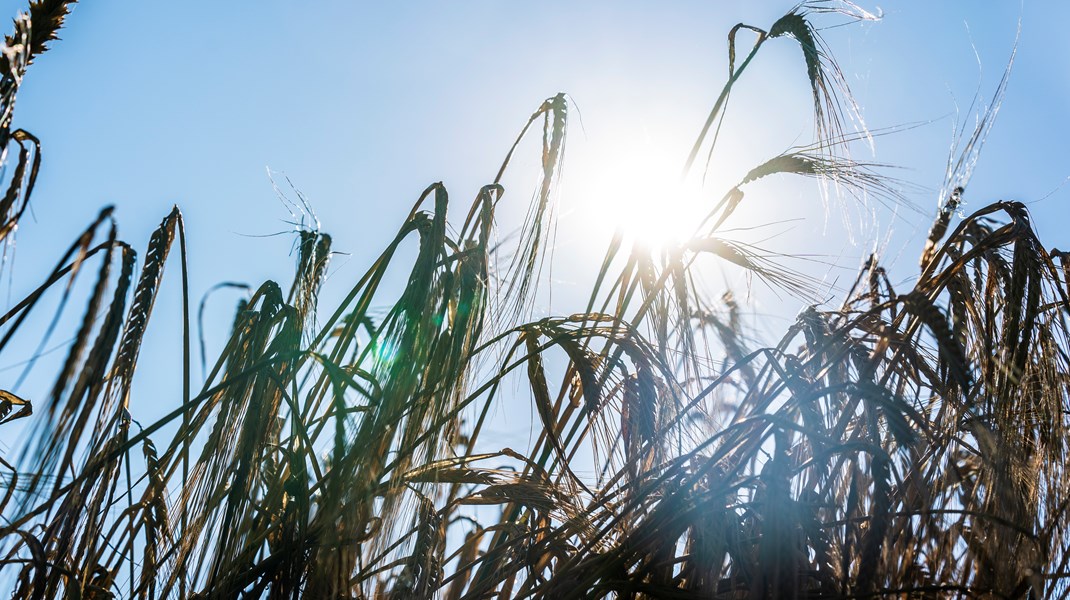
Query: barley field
column 906, row 441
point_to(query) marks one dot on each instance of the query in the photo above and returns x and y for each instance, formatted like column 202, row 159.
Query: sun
column 638, row 192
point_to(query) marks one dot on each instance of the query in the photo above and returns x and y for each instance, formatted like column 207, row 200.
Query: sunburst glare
column 639, row 192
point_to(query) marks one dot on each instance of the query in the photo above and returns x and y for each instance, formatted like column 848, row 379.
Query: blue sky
column 144, row 104
column 362, row 105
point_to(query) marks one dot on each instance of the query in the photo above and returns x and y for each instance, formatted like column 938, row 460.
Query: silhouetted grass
column 907, row 443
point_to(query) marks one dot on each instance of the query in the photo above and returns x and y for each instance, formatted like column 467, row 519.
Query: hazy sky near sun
column 362, row 105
